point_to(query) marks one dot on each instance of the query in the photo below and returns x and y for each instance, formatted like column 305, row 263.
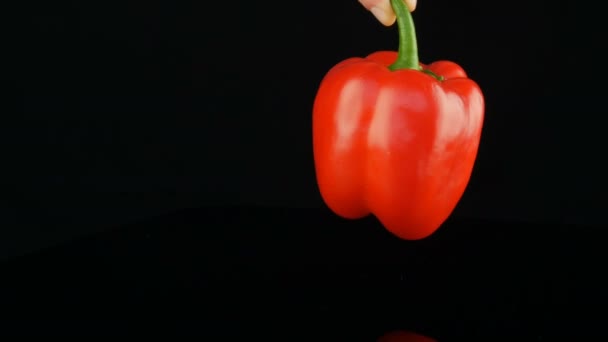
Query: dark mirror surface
column 254, row 272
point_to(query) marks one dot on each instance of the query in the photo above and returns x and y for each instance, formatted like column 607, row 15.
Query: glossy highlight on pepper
column 396, row 138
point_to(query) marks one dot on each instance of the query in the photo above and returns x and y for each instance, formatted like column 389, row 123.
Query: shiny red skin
column 400, row 145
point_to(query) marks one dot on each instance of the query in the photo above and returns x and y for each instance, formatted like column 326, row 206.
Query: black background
column 133, row 107
column 127, row 111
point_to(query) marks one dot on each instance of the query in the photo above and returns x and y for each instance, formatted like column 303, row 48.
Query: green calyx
column 407, row 57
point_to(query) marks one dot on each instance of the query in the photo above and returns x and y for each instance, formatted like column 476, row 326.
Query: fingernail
column 384, row 16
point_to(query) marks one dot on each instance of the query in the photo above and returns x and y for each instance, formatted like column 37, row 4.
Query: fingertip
column 411, row 4
column 387, row 18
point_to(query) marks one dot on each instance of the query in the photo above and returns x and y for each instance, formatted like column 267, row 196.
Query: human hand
column 382, row 10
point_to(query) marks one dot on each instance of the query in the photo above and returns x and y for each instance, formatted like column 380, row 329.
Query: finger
column 411, row 4
column 382, row 10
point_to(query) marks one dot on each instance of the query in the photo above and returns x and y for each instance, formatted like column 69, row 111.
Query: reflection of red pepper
column 404, row 336
column 396, row 140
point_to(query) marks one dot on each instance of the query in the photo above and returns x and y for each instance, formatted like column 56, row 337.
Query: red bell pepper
column 396, row 138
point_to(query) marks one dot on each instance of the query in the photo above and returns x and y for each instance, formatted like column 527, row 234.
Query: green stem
column 407, row 57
